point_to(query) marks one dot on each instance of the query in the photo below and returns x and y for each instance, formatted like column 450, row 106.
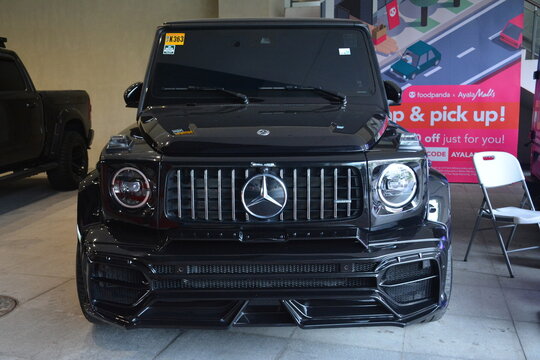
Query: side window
column 431, row 54
column 423, row 59
column 10, row 76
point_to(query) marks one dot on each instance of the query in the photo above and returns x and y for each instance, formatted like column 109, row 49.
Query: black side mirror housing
column 393, row 92
column 132, row 94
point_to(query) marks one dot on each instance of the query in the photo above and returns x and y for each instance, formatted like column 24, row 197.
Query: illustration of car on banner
column 418, row 58
column 512, row 34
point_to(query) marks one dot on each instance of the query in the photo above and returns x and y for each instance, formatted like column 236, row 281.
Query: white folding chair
column 496, row 169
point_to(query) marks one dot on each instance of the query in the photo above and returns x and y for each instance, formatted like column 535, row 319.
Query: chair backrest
column 497, row 168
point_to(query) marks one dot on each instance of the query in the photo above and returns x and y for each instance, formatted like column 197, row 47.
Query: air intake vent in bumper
column 412, row 282
column 250, row 283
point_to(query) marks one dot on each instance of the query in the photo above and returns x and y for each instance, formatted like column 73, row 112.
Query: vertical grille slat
column 179, row 192
column 220, row 215
column 308, row 196
column 233, row 195
column 295, row 196
column 335, row 193
column 281, row 177
column 322, row 195
column 349, row 192
column 205, row 194
column 192, row 175
column 213, row 194
column 247, row 177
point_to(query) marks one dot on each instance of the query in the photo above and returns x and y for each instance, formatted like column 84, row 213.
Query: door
column 21, row 116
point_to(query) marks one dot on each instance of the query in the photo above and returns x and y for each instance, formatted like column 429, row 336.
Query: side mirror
column 393, row 92
column 133, row 94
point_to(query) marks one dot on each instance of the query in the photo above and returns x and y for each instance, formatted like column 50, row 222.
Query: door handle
column 31, row 105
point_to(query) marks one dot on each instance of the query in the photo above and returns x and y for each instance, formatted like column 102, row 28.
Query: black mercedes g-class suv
column 41, row 130
column 263, row 184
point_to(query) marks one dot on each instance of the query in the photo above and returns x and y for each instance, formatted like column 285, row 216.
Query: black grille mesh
column 364, row 267
column 410, row 271
column 106, row 292
column 218, row 269
column 262, row 269
column 420, row 290
column 305, row 283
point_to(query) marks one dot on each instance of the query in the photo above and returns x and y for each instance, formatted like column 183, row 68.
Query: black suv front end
column 314, row 214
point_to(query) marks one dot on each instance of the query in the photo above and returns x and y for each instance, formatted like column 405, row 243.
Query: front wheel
column 72, row 163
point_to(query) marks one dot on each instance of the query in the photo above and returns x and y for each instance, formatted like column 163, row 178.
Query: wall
column 100, row 46
column 251, row 8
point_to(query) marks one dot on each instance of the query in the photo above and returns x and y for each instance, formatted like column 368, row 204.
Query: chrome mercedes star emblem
column 263, row 132
column 264, row 196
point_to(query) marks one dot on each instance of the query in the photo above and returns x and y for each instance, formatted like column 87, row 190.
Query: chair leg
column 510, row 237
column 501, row 243
column 473, row 235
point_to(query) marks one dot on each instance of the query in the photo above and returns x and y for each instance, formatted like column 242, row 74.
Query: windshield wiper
column 241, row 96
column 326, row 93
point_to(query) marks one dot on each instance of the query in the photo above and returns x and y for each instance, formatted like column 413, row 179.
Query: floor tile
column 25, row 287
column 385, row 338
column 207, row 344
column 462, row 277
column 478, row 301
column 524, row 304
column 275, row 331
column 465, row 337
column 299, row 350
column 42, row 334
column 411, row 356
column 529, row 335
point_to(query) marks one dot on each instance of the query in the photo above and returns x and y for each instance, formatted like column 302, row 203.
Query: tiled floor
column 490, row 316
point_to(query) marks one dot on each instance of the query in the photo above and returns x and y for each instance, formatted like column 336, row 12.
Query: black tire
column 72, row 163
column 437, row 62
column 84, row 302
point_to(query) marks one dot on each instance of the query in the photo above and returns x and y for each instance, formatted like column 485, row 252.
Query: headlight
column 130, row 187
column 397, row 185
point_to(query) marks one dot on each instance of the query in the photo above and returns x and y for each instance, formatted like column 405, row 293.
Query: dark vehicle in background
column 41, row 130
column 263, row 184
column 418, row 58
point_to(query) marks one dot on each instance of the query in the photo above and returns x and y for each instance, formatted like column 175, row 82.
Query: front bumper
column 400, row 278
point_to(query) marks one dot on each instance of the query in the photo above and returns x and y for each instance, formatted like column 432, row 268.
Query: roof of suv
column 278, row 22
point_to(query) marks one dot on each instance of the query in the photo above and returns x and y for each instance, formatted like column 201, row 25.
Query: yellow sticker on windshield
column 174, row 38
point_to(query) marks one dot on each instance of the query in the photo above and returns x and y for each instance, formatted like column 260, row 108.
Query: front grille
column 219, row 269
column 250, row 284
column 214, row 194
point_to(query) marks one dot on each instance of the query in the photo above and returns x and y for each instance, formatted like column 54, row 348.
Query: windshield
column 410, row 58
column 512, row 31
column 262, row 64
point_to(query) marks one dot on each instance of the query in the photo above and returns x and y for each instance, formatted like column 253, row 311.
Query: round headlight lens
column 130, row 187
column 397, row 185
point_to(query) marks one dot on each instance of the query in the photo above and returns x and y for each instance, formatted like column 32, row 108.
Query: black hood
column 262, row 129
